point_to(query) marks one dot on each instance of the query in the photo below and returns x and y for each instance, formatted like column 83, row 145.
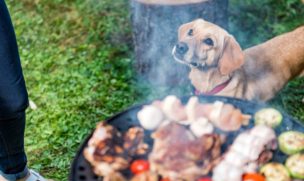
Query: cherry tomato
column 139, row 166
column 253, row 177
column 204, row 179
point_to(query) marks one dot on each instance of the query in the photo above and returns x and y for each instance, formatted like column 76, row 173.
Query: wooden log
column 155, row 24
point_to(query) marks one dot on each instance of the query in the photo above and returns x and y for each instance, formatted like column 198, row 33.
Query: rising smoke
column 155, row 26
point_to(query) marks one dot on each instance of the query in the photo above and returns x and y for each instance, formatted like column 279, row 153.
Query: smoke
column 155, row 28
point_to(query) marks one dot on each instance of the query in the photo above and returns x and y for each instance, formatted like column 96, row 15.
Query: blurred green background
column 77, row 58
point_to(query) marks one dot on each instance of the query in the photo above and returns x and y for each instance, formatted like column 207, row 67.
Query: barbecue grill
column 81, row 170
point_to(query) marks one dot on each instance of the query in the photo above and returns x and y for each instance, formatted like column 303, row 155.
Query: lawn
column 77, row 58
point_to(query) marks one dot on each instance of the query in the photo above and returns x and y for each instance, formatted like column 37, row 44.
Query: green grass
column 78, row 71
column 77, row 60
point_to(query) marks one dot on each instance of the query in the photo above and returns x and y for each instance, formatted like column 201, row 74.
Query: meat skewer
column 245, row 153
column 223, row 116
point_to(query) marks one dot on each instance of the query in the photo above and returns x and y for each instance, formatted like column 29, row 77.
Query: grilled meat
column 109, row 151
column 223, row 116
column 179, row 155
column 248, row 150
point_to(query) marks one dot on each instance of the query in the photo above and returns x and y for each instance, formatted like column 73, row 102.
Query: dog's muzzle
column 195, row 64
column 179, row 52
column 181, row 48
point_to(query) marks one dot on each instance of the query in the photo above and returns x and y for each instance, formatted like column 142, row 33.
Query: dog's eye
column 190, row 32
column 208, row 41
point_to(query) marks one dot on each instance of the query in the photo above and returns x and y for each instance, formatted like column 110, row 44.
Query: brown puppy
column 220, row 67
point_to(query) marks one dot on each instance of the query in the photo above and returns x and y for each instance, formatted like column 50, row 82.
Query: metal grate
column 82, row 171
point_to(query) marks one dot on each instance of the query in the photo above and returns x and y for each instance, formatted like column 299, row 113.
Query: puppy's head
column 204, row 45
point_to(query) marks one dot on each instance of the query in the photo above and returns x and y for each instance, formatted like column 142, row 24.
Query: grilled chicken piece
column 225, row 116
column 109, row 151
column 248, row 150
column 174, row 109
column 179, row 155
column 133, row 142
column 116, row 176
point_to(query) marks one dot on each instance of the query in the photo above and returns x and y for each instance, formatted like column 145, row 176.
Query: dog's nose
column 182, row 48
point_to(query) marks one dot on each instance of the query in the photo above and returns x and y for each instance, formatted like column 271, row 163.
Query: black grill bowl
column 81, row 170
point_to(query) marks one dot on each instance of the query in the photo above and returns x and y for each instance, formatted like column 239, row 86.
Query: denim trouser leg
column 12, row 155
column 13, row 102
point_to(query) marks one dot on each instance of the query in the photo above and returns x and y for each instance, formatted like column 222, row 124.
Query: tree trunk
column 155, row 24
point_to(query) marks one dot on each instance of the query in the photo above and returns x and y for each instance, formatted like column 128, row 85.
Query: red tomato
column 139, row 166
column 205, row 179
column 253, row 177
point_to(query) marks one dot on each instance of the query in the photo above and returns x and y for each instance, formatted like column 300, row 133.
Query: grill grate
column 82, row 171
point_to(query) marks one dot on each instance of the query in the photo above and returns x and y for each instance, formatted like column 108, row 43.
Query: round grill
column 81, row 170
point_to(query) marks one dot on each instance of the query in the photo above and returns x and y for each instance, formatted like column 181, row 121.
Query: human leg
column 13, row 102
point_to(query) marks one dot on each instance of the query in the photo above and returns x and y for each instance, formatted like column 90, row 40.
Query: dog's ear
column 232, row 56
column 184, row 28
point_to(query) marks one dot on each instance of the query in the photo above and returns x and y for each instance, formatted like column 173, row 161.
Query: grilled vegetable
column 275, row 172
column 253, row 177
column 291, row 142
column 268, row 116
column 150, row 117
column 295, row 165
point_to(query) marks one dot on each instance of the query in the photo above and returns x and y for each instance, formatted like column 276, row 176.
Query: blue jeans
column 13, row 102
